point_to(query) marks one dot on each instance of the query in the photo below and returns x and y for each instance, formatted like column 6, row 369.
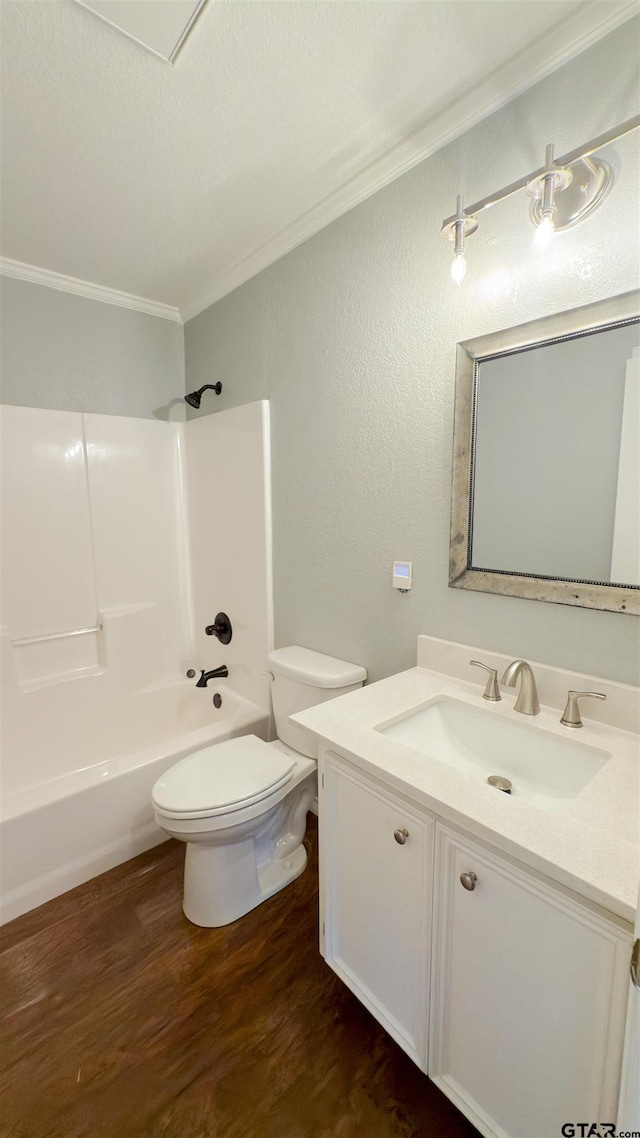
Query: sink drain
column 500, row 783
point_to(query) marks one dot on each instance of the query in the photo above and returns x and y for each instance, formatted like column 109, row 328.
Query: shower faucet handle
column 222, row 628
column 491, row 691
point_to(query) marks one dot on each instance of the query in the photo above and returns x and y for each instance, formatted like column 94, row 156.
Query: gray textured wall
column 352, row 337
column 71, row 353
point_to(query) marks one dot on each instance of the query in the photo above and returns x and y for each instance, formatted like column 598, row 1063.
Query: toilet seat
column 222, row 779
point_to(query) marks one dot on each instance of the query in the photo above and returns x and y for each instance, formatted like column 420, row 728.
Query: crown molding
column 567, row 39
column 49, row 279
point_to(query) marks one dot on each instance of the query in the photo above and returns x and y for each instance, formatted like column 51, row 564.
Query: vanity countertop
column 591, row 846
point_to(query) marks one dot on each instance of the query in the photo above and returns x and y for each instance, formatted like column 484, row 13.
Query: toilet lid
column 223, row 777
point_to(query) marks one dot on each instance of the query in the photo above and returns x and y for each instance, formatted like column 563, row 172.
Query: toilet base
column 276, row 874
column 228, row 872
column 222, row 883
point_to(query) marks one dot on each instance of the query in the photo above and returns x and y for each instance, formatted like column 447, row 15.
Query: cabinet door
column 376, row 894
column 629, row 1104
column 528, row 995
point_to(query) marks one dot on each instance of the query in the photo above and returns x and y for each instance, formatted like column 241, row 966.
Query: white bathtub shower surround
column 53, row 729
column 96, row 522
column 140, row 544
column 229, row 481
column 98, row 620
column 64, row 831
column 90, row 512
column 46, row 522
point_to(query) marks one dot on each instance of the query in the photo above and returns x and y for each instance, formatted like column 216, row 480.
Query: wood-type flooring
column 119, row 1019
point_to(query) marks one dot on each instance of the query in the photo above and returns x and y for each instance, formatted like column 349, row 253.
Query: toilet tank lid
column 315, row 668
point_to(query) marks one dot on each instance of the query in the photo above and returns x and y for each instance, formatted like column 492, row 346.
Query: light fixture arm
column 462, row 226
column 573, row 156
column 458, row 228
column 548, row 185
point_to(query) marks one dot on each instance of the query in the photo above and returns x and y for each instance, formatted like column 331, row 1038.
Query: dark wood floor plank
column 121, row 882
column 121, row 1020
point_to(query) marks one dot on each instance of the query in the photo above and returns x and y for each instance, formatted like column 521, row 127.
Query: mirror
column 546, row 478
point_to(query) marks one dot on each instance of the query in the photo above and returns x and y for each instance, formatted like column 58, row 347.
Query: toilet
column 241, row 805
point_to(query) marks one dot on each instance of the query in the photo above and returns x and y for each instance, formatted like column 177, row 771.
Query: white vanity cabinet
column 519, row 985
column 376, row 879
column 528, row 995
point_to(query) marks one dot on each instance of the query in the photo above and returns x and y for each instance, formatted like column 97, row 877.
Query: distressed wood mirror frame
column 602, row 315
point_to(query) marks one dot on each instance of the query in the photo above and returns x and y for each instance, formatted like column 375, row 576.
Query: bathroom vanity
column 489, row 933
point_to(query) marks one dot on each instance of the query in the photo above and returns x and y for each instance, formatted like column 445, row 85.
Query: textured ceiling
column 123, row 170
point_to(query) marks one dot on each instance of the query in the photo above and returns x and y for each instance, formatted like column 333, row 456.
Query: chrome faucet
column 571, row 714
column 216, row 674
column 527, row 701
column 491, row 691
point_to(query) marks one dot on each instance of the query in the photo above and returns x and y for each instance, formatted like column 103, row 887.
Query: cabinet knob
column 401, row 836
column 469, row 880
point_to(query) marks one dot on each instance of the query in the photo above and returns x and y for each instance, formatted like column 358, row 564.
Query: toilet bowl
column 241, row 805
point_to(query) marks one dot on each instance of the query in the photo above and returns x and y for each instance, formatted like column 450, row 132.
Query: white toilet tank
column 302, row 678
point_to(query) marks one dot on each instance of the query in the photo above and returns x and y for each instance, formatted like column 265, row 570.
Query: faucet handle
column 571, row 713
column 222, row 628
column 491, row 691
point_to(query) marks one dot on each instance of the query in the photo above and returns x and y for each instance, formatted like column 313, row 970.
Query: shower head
column 194, row 397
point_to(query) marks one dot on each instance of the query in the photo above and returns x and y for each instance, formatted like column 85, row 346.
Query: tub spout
column 215, row 674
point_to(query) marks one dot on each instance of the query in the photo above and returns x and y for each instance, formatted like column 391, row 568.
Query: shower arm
column 193, row 398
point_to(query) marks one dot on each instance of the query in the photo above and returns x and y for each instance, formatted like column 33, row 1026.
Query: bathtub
column 65, row 830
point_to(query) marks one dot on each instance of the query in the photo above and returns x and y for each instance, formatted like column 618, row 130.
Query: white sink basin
column 545, row 771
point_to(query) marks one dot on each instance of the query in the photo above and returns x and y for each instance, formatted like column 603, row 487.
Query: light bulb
column 458, row 268
column 544, row 232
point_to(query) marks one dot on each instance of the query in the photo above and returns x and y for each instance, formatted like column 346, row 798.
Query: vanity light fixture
column 563, row 192
column 554, row 180
column 462, row 226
